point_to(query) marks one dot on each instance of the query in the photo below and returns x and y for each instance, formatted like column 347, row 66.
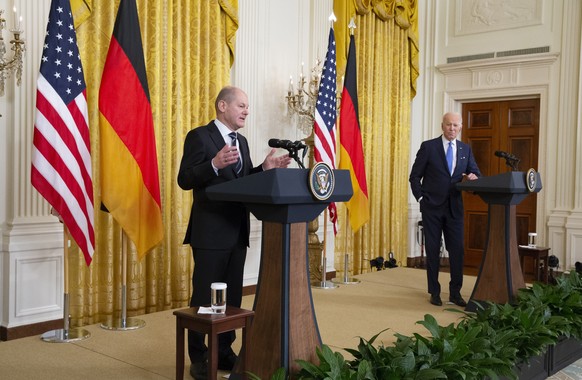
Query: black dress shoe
column 436, row 300
column 458, row 300
column 199, row 370
column 227, row 362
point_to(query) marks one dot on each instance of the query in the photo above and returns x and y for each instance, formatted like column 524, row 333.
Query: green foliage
column 483, row 345
column 561, row 300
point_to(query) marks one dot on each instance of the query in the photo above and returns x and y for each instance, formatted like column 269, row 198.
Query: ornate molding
column 506, row 72
column 480, row 16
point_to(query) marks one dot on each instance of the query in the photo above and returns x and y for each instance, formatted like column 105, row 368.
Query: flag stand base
column 345, row 280
column 65, row 336
column 323, row 285
column 121, row 324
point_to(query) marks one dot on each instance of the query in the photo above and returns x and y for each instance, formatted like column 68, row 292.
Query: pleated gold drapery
column 188, row 47
column 386, row 38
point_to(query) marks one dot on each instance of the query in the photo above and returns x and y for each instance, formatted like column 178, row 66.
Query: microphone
column 286, row 144
column 507, row 156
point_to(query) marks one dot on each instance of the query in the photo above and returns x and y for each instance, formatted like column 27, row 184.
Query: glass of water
column 218, row 297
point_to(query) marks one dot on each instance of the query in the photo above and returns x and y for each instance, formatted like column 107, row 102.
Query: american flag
column 325, row 116
column 61, row 153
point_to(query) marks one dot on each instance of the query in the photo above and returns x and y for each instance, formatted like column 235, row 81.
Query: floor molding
column 29, row 330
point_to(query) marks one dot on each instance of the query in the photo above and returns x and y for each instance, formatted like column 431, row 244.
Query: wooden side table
column 211, row 324
column 538, row 254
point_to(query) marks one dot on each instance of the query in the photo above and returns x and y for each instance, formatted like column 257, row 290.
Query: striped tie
column 238, row 166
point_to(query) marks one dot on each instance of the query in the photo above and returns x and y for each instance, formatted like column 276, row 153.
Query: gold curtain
column 189, row 48
column 386, row 38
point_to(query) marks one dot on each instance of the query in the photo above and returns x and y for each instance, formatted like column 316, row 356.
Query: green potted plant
column 532, row 339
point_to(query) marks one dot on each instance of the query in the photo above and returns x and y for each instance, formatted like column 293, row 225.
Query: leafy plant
column 563, row 299
column 483, row 345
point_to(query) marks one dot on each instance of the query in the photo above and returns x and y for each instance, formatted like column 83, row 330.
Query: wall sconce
column 14, row 64
column 301, row 100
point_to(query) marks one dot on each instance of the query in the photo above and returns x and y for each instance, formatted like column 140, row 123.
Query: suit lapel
column 215, row 136
column 459, row 154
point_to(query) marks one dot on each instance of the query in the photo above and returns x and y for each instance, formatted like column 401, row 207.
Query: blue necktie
column 238, row 165
column 450, row 157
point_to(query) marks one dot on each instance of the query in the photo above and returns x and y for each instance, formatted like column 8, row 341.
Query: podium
column 284, row 327
column 500, row 275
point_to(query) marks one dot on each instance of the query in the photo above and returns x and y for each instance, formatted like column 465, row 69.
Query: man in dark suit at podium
column 440, row 164
column 218, row 231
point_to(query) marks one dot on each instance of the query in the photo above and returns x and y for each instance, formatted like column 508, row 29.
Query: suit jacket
column 430, row 177
column 213, row 224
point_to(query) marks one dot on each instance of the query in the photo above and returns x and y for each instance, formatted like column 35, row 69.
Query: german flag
column 130, row 186
column 351, row 151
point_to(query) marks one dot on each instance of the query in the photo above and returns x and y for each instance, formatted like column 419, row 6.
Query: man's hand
column 272, row 162
column 228, row 155
column 470, row 177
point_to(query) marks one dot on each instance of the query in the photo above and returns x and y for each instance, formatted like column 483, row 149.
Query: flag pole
column 323, row 284
column 66, row 334
column 123, row 323
column 346, row 280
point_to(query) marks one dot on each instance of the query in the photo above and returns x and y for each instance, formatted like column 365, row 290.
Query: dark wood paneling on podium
column 290, row 331
column 500, row 275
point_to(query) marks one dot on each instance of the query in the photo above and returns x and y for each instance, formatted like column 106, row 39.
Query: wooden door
column 511, row 126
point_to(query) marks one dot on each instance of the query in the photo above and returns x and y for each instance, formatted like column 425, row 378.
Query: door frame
column 514, row 77
column 454, row 101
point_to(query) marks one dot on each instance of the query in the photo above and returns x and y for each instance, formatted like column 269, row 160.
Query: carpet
column 393, row 299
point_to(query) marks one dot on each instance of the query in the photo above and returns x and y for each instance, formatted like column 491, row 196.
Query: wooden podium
column 284, row 327
column 500, row 275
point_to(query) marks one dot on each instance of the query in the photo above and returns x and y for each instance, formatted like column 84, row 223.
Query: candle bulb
column 290, row 91
column 15, row 17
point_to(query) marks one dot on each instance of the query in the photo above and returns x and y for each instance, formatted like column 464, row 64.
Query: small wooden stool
column 211, row 324
column 538, row 254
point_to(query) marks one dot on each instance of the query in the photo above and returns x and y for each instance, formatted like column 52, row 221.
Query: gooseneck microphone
column 510, row 160
column 286, row 144
column 292, row 147
column 508, row 156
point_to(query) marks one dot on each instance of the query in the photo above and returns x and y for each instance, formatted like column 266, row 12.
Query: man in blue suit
column 218, row 231
column 439, row 165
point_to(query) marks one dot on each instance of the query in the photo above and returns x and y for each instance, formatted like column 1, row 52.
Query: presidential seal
column 531, row 180
column 321, row 181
